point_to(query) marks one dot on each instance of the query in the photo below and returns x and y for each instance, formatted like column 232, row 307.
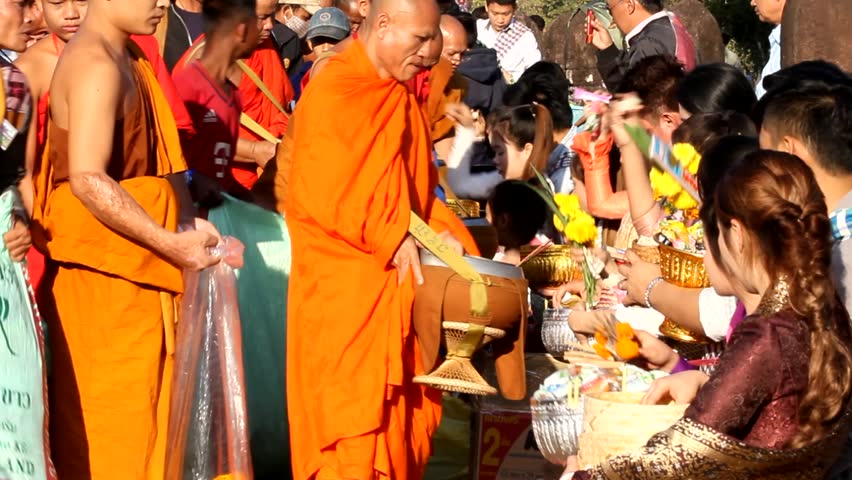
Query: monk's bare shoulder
column 90, row 76
column 38, row 64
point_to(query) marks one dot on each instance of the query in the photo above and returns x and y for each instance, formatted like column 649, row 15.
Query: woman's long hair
column 776, row 198
column 526, row 124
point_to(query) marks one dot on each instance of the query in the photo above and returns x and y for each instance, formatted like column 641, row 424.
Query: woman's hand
column 461, row 114
column 639, row 275
column 657, row 355
column 624, row 110
column 681, row 388
column 18, row 240
column 576, row 287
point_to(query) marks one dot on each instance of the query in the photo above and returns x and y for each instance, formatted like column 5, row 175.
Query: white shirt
column 774, row 63
column 638, row 28
column 522, row 56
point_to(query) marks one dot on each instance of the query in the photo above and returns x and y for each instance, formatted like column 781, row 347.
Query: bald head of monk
column 401, row 36
column 352, row 9
column 64, row 17
column 134, row 17
column 266, row 10
column 13, row 32
column 455, row 40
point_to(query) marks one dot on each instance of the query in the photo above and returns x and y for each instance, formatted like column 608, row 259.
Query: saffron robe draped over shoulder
column 109, row 301
column 351, row 350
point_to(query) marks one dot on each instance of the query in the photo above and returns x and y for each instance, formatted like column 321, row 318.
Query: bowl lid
column 482, row 265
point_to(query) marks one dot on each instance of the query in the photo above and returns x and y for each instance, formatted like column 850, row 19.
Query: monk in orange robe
column 108, row 196
column 63, row 19
column 351, row 350
column 254, row 149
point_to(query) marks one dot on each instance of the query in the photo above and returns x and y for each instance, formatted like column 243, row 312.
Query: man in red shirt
column 212, row 100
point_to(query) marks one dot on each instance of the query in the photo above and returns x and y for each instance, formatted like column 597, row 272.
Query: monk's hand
column 18, row 240
column 408, row 257
column 461, row 114
column 263, row 152
column 451, row 242
column 192, row 249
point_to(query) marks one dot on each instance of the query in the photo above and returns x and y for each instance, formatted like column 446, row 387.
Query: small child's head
column 522, row 137
column 327, row 28
column 517, row 213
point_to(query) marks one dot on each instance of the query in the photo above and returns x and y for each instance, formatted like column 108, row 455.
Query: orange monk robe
column 351, row 351
column 109, row 303
column 445, row 88
column 149, row 45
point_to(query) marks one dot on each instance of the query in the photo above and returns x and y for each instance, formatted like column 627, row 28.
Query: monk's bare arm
column 93, row 97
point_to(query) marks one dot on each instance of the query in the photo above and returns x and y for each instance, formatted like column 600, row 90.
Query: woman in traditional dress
column 777, row 406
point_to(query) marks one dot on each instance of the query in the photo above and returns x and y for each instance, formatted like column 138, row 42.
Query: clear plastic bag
column 208, row 424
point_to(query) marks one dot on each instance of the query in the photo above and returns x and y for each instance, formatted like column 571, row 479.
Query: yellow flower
column 568, row 204
column 685, row 153
column 663, row 184
column 581, row 229
column 683, row 201
column 558, row 223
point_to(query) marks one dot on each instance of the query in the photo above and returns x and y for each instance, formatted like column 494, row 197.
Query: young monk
column 255, row 148
column 211, row 98
column 349, row 223
column 109, row 194
column 63, row 18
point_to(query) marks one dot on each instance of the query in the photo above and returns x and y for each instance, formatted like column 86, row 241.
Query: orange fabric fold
column 351, row 350
column 149, row 45
column 110, row 307
column 445, row 87
column 601, row 200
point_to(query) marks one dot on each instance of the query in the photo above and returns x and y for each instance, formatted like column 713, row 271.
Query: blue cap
column 329, row 22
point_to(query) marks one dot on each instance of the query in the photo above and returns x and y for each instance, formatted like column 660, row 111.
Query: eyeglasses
column 610, row 7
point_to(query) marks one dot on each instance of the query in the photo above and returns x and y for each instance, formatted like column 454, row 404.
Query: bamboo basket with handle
column 616, row 423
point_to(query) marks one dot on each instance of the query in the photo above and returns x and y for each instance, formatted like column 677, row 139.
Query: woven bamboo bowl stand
column 616, row 423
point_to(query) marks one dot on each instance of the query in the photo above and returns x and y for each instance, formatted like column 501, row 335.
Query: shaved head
column 353, row 10
column 455, row 39
column 402, row 37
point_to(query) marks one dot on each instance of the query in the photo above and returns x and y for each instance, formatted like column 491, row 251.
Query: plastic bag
column 208, row 426
column 262, row 287
column 23, row 430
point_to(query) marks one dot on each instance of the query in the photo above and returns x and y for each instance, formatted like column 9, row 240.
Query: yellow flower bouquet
column 575, row 225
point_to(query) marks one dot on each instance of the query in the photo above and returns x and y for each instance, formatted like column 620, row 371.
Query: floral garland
column 667, row 189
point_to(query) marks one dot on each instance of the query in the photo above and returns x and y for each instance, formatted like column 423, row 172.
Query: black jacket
column 178, row 39
column 289, row 47
column 657, row 38
column 485, row 82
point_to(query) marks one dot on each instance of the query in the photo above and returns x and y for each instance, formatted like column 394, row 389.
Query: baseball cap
column 312, row 6
column 329, row 22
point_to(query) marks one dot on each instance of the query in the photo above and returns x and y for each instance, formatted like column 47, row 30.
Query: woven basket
column 557, row 427
column 616, row 423
column 646, row 253
column 552, row 267
column 683, row 269
column 464, row 208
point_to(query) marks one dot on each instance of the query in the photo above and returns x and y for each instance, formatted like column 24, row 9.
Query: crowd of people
column 127, row 120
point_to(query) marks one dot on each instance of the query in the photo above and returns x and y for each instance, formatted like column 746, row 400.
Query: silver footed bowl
column 556, row 333
column 557, row 427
